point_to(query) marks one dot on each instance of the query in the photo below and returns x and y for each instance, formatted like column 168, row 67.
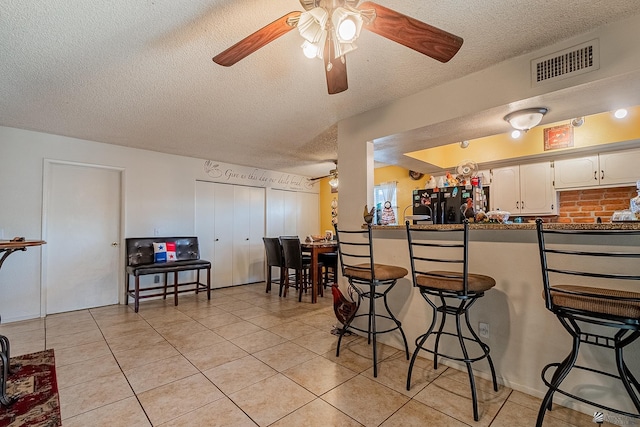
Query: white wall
column 159, row 193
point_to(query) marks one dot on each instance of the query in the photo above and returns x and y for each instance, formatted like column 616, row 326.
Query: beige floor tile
column 157, row 308
column 320, row 321
column 218, row 320
column 218, row 354
column 115, row 318
column 320, row 342
column 266, row 321
column 237, row 307
column 129, row 341
column 196, row 340
column 316, row 414
column 221, row 413
column 158, row 373
column 180, row 329
column 258, row 341
column 201, row 311
column 284, row 356
column 66, row 328
column 17, row 328
column 26, row 342
column 264, row 401
column 292, row 330
column 68, row 356
column 514, row 415
column 178, row 398
column 143, row 355
column 93, row 394
column 237, row 329
column 73, row 340
column 358, row 355
column 86, row 370
column 124, row 413
column 238, row 374
column 251, row 312
column 415, row 414
column 68, row 318
column 380, row 402
column 454, row 398
column 393, row 371
column 319, row 375
column 170, row 318
column 123, row 329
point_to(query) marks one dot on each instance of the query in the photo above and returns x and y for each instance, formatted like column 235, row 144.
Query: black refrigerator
column 447, row 205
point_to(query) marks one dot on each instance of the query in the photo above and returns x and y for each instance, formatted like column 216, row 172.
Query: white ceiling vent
column 567, row 63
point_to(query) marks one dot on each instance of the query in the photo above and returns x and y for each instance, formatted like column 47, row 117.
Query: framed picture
column 558, row 137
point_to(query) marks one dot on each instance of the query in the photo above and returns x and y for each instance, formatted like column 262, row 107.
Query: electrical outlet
column 483, row 329
column 156, row 279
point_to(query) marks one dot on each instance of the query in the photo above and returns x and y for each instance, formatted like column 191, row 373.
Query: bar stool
column 369, row 280
column 456, row 291
column 591, row 296
column 275, row 258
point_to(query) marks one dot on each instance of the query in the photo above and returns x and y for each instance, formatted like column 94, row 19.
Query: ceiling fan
column 333, row 174
column 330, row 28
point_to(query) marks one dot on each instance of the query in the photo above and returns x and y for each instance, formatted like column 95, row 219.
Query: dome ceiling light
column 523, row 120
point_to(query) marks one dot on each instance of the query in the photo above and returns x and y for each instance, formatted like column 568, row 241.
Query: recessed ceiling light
column 620, row 113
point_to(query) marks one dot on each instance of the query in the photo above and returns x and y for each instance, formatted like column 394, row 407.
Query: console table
column 7, row 247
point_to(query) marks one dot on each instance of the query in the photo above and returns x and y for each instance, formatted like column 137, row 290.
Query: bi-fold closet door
column 230, row 221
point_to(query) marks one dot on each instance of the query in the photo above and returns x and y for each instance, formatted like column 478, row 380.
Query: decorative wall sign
column 242, row 175
column 558, row 137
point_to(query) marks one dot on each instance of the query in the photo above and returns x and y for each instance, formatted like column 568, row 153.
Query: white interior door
column 82, row 230
column 257, row 228
column 223, row 238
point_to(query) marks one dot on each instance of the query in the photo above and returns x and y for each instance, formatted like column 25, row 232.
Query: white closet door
column 205, row 220
column 256, row 232
column 290, row 213
column 222, row 274
column 275, row 213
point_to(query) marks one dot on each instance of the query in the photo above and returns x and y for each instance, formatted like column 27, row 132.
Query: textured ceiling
column 139, row 73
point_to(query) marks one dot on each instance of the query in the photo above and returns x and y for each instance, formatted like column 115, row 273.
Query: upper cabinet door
column 619, row 167
column 505, row 189
column 575, row 173
column 537, row 196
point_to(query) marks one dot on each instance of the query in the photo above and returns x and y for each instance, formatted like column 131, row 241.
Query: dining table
column 316, row 248
column 7, row 247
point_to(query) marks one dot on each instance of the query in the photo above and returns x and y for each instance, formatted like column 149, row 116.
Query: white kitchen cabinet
column 524, row 190
column 616, row 168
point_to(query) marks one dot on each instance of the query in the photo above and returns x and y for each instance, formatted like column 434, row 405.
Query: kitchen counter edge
column 525, row 226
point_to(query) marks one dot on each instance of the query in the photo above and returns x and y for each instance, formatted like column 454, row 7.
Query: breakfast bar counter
column 522, row 334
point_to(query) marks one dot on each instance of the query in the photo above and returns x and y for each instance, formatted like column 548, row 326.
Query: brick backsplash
column 585, row 206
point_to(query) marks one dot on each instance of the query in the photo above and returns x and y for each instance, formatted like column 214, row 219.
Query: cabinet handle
column 517, row 205
column 246, row 238
column 217, row 240
column 522, row 204
column 595, row 175
column 602, row 174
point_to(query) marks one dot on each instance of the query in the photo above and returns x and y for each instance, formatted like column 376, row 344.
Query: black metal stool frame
column 466, row 300
column 628, row 330
column 350, row 253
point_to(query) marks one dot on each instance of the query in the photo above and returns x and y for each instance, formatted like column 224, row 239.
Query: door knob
column 217, row 240
column 114, row 244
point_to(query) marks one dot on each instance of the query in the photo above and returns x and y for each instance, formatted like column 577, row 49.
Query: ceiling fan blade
column 335, row 69
column 255, row 41
column 414, row 34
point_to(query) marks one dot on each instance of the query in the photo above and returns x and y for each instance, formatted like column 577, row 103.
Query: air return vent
column 567, row 63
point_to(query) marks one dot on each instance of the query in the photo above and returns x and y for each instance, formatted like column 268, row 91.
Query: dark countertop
column 523, row 226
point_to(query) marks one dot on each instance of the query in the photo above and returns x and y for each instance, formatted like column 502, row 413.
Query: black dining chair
column 584, row 287
column 294, row 260
column 275, row 258
column 440, row 270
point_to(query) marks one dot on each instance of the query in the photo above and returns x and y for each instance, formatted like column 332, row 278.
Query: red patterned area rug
column 33, row 382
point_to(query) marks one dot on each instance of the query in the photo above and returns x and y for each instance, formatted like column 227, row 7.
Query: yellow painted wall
column 326, row 196
column 598, row 129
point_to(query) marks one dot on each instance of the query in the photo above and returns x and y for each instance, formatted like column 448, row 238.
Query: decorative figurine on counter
column 431, row 182
column 388, row 215
column 368, row 214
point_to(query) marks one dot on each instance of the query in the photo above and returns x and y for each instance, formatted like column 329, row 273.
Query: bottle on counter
column 635, row 203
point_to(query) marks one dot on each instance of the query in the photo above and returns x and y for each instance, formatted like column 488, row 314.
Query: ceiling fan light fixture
column 526, row 119
column 333, row 182
column 347, row 23
column 312, row 24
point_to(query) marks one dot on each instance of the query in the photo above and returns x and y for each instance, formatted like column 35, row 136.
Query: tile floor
column 248, row 358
